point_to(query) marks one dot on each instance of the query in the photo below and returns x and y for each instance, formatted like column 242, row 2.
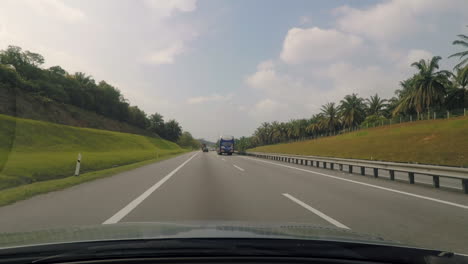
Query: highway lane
column 208, row 187
column 211, row 189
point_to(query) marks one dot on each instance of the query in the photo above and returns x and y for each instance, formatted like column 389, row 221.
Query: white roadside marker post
column 78, row 163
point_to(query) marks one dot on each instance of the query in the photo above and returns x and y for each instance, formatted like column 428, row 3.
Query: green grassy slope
column 32, row 151
column 443, row 142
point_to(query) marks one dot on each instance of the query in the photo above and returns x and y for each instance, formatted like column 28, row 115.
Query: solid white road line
column 315, row 211
column 133, row 204
column 237, row 167
column 367, row 184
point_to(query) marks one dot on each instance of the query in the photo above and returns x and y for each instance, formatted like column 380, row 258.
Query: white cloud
column 267, row 79
column 57, row 9
column 391, row 20
column 364, row 80
column 267, row 109
column 166, row 55
column 416, row 55
column 263, row 79
column 266, row 65
column 315, row 44
column 209, row 98
column 161, row 10
column 165, row 8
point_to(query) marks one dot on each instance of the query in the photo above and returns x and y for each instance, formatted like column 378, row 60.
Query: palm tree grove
column 430, row 93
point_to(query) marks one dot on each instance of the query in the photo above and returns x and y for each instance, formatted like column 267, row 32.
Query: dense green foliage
column 22, row 70
column 428, row 92
column 45, row 151
column 186, row 140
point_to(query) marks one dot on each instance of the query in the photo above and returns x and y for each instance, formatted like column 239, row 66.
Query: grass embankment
column 442, row 142
column 34, row 154
column 26, row 191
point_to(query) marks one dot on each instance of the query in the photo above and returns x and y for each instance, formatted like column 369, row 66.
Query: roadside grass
column 441, row 142
column 27, row 191
column 34, row 151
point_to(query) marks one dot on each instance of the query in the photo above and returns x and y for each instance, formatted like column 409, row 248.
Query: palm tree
column 263, row 133
column 404, row 101
column 428, row 85
column 463, row 41
column 375, row 105
column 83, row 79
column 457, row 93
column 277, row 132
column 315, row 125
column 352, row 110
column 330, row 118
column 461, row 78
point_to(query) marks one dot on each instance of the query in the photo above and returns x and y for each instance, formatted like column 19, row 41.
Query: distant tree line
column 428, row 90
column 186, row 140
column 22, row 70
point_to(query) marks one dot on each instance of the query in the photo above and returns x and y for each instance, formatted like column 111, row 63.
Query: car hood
column 161, row 230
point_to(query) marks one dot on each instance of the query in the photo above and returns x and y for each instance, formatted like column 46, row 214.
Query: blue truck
column 226, row 145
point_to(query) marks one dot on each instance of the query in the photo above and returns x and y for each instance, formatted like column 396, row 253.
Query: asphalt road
column 206, row 187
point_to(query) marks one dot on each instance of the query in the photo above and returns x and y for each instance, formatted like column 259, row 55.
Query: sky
column 225, row 66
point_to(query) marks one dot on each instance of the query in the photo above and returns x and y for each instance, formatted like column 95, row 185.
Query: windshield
column 341, row 115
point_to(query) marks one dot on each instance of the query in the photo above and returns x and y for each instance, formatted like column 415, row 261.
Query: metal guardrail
column 329, row 163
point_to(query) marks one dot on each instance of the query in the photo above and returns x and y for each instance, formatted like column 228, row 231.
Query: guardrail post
column 376, row 172
column 350, row 168
column 363, row 170
column 341, row 167
column 392, row 175
column 436, row 181
column 302, row 162
column 296, row 161
column 331, row 166
column 465, row 185
column 324, row 165
column 411, row 177
column 317, row 163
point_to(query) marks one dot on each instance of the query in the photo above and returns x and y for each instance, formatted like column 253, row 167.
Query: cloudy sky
column 223, row 67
